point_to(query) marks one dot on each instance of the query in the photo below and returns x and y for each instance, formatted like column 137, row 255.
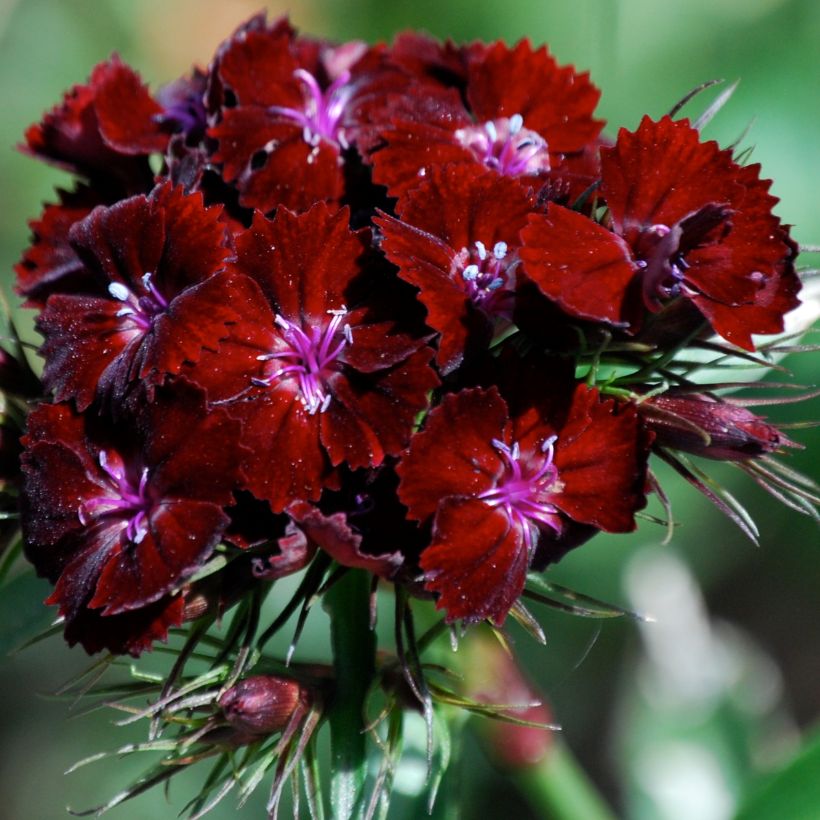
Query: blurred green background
column 680, row 719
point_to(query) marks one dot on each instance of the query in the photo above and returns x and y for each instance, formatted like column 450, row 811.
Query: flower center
column 125, row 500
column 488, row 277
column 140, row 310
column 308, row 356
column 323, row 110
column 506, row 146
column 525, row 489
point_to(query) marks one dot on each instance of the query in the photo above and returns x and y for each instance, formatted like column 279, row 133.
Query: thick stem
column 354, row 652
column 561, row 790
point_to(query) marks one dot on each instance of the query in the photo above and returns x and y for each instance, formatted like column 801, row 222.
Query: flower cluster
column 401, row 305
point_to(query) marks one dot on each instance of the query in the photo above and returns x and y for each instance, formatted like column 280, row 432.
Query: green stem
column 561, row 790
column 354, row 653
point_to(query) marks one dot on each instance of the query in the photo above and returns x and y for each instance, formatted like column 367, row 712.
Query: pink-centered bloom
column 495, row 485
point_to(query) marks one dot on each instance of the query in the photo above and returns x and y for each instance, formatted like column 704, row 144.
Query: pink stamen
column 525, row 489
column 309, row 358
column 323, row 110
column 506, row 146
column 129, row 503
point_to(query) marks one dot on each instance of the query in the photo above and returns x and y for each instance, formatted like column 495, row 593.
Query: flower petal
column 454, row 454
column 477, row 562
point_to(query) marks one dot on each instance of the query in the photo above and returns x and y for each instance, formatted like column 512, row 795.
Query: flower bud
column 263, row 704
column 707, row 427
column 494, row 677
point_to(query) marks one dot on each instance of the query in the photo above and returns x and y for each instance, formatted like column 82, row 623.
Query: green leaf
column 23, row 615
column 793, row 793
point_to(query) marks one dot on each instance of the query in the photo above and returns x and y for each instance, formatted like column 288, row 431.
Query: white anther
column 489, row 127
column 495, row 284
column 471, row 273
column 119, row 291
column 516, row 451
column 481, row 250
column 500, row 250
column 348, row 334
column 516, row 123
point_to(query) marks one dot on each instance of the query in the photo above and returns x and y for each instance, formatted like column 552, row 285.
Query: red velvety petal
column 128, row 115
column 50, row 264
column 259, row 68
column 271, row 164
column 463, row 204
column 286, row 461
column 477, row 562
column 123, row 242
column 196, row 320
column 601, row 457
column 454, row 454
column 295, row 553
column 333, row 534
column 69, row 137
column 86, row 346
column 411, row 152
column 580, row 265
column 195, row 450
column 130, row 633
column 57, row 479
column 181, row 535
column 662, row 171
column 196, row 240
column 736, row 323
column 427, row 262
column 373, row 415
column 303, row 262
column 555, row 101
column 376, row 346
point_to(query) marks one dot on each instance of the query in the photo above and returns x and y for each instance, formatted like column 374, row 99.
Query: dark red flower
column 104, row 130
column 519, row 114
column 457, row 241
column 493, row 483
column 290, row 111
column 686, row 222
column 117, row 516
column 315, row 382
column 158, row 266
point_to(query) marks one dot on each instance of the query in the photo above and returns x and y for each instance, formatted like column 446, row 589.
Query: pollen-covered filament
column 506, row 146
column 140, row 310
column 308, row 357
column 488, row 277
column 323, row 110
column 126, row 500
column 525, row 489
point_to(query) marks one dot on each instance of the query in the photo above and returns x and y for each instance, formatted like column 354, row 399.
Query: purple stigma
column 140, row 310
column 506, row 146
column 128, row 501
column 308, row 357
column 323, row 110
column 488, row 277
column 525, row 488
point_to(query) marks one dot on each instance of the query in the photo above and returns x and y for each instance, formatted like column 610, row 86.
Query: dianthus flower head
column 117, row 516
column 686, row 222
column 492, row 484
